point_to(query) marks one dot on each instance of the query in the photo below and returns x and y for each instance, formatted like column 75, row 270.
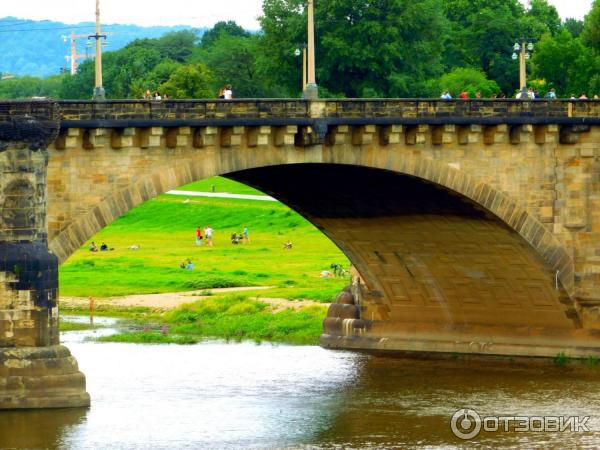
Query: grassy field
column 164, row 228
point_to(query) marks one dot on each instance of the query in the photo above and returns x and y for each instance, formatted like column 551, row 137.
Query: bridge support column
column 35, row 371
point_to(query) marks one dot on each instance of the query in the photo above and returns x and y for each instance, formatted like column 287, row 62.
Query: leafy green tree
column 283, row 30
column 384, row 47
column 463, row 78
column 540, row 18
column 229, row 28
column 26, row 86
column 565, row 63
column 481, row 34
column 573, row 26
column 189, row 81
column 177, row 46
column 591, row 27
column 234, row 60
column 81, row 85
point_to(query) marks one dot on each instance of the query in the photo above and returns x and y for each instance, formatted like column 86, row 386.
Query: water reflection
column 217, row 395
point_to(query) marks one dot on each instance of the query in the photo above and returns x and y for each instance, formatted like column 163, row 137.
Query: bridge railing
column 326, row 108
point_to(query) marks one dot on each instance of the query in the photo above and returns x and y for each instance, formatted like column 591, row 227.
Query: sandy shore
column 172, row 300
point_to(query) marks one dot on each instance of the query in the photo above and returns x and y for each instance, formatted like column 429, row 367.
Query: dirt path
column 172, row 300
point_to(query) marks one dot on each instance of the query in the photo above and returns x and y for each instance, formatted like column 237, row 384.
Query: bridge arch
column 453, row 179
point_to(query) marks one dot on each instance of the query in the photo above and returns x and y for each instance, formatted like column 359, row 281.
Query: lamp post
column 523, row 52
column 99, row 93
column 302, row 52
column 311, row 91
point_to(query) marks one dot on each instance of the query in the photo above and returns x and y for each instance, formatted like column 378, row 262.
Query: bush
column 463, row 78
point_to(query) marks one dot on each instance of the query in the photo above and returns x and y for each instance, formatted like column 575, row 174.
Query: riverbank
column 186, row 318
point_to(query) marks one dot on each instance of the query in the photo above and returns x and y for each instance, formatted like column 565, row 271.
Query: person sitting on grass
column 287, row 245
column 182, row 265
column 190, row 265
column 92, row 247
column 104, row 247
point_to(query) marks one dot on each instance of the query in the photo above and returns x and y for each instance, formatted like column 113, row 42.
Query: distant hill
column 37, row 48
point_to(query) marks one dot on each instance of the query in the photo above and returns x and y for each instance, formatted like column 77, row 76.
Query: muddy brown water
column 245, row 396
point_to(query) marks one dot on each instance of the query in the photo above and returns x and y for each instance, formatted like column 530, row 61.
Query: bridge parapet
column 403, row 110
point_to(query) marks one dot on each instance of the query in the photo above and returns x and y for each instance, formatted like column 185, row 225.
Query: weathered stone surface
column 532, row 165
column 40, row 377
column 489, row 225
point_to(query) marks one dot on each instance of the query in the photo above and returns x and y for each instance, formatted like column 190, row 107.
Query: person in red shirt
column 198, row 236
column 464, row 95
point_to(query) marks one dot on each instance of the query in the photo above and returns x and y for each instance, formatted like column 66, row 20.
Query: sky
column 197, row 13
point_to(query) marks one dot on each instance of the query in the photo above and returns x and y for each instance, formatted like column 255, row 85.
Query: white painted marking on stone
column 264, row 198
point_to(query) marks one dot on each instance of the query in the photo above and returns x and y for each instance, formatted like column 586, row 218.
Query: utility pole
column 99, row 93
column 74, row 57
column 311, row 91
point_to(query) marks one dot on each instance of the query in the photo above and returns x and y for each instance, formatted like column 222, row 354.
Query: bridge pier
column 35, row 371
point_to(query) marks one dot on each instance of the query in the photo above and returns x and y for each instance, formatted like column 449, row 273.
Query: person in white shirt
column 228, row 94
column 208, row 235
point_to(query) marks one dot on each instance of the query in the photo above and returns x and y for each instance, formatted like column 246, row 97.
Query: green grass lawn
column 231, row 317
column 164, row 228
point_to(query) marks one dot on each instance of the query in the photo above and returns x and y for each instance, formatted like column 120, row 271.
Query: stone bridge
column 474, row 225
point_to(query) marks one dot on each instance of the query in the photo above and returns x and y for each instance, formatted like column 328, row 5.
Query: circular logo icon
column 466, row 424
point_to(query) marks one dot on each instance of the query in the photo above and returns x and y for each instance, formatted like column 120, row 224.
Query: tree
column 189, row 81
column 591, row 27
column 481, row 34
column 463, row 78
column 565, row 63
column 383, row 47
column 177, row 46
column 229, row 28
column 540, row 18
column 234, row 60
column 573, row 26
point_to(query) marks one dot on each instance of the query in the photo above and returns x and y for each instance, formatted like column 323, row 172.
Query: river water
column 246, row 396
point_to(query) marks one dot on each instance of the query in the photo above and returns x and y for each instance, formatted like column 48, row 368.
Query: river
column 245, row 396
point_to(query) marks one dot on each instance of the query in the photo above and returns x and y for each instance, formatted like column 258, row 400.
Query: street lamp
column 302, row 51
column 522, row 51
column 99, row 93
column 311, row 91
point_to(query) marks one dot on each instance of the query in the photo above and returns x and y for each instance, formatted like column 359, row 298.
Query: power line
column 45, row 29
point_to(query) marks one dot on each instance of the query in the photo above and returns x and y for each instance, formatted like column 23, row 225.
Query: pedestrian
column 198, row 236
column 463, row 95
column 551, row 93
column 246, row 235
column 446, row 96
column 222, row 93
column 583, row 96
column 228, row 93
column 147, row 94
column 208, row 235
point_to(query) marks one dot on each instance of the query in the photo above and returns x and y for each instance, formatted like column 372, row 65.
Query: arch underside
column 426, row 255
